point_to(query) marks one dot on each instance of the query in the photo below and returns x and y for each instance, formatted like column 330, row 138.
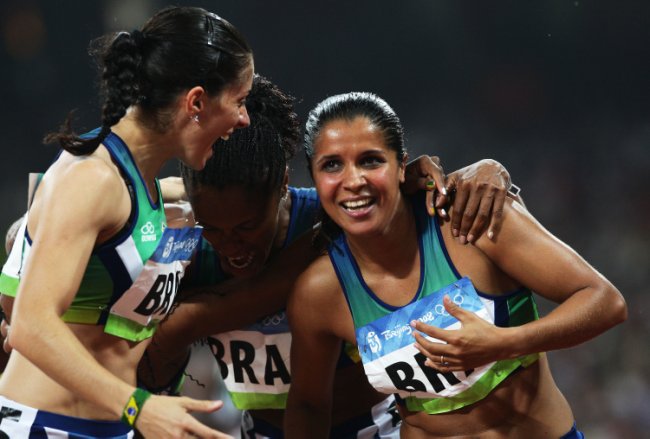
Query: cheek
column 325, row 184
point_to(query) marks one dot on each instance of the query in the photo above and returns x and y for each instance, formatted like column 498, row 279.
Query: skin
column 352, row 162
column 246, row 234
column 78, row 370
column 254, row 226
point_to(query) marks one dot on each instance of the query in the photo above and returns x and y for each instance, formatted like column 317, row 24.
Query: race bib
column 152, row 294
column 254, row 363
column 394, row 365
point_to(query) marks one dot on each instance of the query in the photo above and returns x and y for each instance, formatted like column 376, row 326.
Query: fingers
column 425, row 173
column 202, row 406
column 455, row 310
column 481, row 219
column 459, row 207
column 438, row 359
column 430, row 201
column 438, row 334
column 439, row 356
column 4, row 330
column 497, row 215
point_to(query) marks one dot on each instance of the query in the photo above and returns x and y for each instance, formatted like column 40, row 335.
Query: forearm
column 583, row 316
column 303, row 420
column 231, row 305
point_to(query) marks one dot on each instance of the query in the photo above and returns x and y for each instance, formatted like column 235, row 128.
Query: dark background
column 557, row 91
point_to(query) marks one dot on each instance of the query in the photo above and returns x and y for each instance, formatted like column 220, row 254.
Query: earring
column 195, row 118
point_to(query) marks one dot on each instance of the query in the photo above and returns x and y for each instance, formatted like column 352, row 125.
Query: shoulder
column 86, row 174
column 317, row 289
column 83, row 191
column 319, row 279
column 518, row 228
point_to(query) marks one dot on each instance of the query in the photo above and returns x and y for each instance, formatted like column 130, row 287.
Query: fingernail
column 443, row 212
column 470, row 238
column 430, row 184
column 443, row 190
column 490, row 234
column 463, row 240
column 413, row 323
column 455, row 232
column 432, row 210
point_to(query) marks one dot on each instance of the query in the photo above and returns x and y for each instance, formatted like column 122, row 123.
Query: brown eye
column 331, row 165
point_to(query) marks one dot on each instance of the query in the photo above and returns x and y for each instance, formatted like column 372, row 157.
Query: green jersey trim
column 258, row 401
column 8, row 285
column 483, row 387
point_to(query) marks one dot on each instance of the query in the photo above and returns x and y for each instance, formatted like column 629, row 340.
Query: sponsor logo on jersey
column 148, row 232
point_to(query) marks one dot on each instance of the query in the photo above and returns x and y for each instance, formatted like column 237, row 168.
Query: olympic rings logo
column 440, row 310
column 274, row 320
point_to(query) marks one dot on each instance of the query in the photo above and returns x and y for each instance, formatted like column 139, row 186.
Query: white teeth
column 241, row 262
column 356, row 204
column 225, row 137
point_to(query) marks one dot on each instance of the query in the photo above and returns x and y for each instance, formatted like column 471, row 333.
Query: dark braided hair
column 177, row 49
column 349, row 106
column 254, row 157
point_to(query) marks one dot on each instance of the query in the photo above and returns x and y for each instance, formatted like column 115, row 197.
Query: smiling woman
column 475, row 370
column 81, row 322
column 355, row 195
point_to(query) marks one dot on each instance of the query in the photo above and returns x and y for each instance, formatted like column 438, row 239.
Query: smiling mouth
column 241, row 261
column 354, row 205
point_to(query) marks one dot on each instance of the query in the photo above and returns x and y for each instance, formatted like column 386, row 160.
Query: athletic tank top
column 383, row 332
column 131, row 280
column 254, row 361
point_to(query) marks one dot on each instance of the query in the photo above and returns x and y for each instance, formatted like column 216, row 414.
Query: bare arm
column 588, row 303
column 314, row 351
column 231, row 305
column 172, row 189
column 76, row 206
column 70, row 228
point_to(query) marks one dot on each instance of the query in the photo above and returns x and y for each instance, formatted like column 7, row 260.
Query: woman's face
column 240, row 225
column 219, row 117
column 357, row 176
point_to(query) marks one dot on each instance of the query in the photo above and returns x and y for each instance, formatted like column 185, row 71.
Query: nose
column 244, row 120
column 354, row 178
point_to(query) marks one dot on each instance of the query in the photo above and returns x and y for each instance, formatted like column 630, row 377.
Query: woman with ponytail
column 94, row 267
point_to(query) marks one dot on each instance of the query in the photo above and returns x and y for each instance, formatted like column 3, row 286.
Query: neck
column 150, row 150
column 393, row 248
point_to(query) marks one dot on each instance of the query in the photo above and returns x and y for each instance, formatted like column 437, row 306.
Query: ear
column 193, row 103
column 402, row 168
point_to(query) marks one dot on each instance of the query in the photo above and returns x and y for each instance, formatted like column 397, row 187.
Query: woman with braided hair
column 94, row 267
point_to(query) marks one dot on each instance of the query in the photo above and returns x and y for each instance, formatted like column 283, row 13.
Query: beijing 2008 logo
column 168, row 247
column 373, row 341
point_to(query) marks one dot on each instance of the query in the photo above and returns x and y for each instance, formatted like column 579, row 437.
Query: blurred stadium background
column 557, row 91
